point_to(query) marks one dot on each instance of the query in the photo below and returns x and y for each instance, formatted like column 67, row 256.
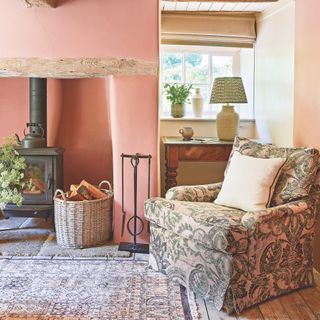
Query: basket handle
column 59, row 191
column 105, row 182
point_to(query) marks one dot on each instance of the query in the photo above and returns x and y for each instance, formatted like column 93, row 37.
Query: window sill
column 204, row 118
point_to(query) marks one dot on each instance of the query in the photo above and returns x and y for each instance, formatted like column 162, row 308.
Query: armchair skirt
column 233, row 258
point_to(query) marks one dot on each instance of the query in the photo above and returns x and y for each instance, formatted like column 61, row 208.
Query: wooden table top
column 195, row 141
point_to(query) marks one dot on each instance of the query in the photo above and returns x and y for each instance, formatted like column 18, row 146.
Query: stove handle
column 49, row 182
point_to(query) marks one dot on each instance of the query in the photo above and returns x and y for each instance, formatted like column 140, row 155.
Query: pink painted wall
column 307, row 84
column 134, row 122
column 78, row 109
column 13, row 106
column 80, row 28
column 84, row 131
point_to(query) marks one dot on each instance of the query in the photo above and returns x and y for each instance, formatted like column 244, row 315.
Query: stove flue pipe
column 38, row 105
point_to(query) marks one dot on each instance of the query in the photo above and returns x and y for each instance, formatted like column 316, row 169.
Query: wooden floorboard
column 298, row 309
column 303, row 304
column 311, row 296
column 253, row 313
column 274, row 310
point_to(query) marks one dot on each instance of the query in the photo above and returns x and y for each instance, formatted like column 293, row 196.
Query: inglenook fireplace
column 44, row 172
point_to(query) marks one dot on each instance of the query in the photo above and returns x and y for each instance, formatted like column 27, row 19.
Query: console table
column 197, row 149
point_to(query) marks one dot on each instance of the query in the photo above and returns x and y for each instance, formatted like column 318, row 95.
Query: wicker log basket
column 82, row 224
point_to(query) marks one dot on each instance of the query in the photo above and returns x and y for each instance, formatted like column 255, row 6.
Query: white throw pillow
column 249, row 182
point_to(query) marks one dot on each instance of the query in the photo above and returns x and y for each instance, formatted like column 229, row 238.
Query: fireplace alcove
column 88, row 143
column 116, row 43
column 78, row 121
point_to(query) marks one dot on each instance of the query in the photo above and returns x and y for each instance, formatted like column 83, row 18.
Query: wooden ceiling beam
column 41, row 3
column 72, row 68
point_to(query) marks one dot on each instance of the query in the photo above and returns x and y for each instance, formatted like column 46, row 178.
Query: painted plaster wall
column 79, row 109
column 307, row 84
column 77, row 28
column 134, row 123
column 84, row 131
column 275, row 74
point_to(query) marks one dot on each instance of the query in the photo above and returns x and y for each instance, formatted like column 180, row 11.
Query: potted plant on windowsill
column 178, row 96
column 12, row 167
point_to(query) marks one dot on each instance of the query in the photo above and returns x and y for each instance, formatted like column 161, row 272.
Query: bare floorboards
column 303, row 304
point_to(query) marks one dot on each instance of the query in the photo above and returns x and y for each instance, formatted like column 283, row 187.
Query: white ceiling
column 215, row 6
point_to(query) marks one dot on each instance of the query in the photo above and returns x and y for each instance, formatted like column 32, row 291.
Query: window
column 199, row 66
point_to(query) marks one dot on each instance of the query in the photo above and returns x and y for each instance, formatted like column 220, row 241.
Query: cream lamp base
column 227, row 123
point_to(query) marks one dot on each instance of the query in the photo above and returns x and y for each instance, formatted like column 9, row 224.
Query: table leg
column 172, row 163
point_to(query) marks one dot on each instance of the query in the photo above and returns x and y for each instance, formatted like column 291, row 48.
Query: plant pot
column 177, row 110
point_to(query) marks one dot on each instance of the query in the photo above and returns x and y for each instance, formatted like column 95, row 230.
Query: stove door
column 38, row 181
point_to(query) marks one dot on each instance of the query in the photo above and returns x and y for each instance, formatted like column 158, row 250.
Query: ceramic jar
column 197, row 103
column 187, row 133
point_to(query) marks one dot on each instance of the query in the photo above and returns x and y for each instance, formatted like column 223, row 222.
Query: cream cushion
column 249, row 182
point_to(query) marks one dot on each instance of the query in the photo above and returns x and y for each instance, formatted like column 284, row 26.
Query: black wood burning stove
column 44, row 172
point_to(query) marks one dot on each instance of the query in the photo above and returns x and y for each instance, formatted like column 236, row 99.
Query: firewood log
column 74, row 196
column 39, row 184
column 95, row 192
column 83, row 190
column 74, row 187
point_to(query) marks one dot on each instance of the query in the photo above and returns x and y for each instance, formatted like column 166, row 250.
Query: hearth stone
column 44, row 174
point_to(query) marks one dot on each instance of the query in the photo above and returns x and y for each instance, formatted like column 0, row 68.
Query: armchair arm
column 253, row 218
column 200, row 193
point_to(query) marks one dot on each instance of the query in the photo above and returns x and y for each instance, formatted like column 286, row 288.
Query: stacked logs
column 84, row 191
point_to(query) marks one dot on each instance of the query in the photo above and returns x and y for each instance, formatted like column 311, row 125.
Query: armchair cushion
column 249, row 182
column 297, row 175
column 215, row 227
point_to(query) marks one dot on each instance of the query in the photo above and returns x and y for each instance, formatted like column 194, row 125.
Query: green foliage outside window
column 194, row 59
column 172, row 67
column 196, row 70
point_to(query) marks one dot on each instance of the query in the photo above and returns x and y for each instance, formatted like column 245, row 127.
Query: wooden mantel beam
column 41, row 3
column 71, row 68
column 257, row 1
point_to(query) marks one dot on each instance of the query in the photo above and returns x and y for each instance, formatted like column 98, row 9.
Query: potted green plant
column 12, row 167
column 178, row 96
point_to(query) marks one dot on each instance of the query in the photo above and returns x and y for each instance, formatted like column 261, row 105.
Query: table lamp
column 228, row 90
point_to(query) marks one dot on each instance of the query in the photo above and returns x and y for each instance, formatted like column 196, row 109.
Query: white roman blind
column 208, row 29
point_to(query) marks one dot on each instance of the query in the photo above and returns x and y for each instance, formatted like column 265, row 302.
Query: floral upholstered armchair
column 237, row 258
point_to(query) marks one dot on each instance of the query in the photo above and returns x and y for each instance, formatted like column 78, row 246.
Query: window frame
column 233, row 52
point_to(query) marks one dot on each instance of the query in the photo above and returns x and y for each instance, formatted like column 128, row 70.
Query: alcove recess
column 50, row 159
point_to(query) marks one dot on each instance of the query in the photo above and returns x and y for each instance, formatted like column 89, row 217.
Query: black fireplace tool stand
column 129, row 246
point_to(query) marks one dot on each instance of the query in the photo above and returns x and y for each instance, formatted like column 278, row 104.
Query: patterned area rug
column 87, row 290
column 35, row 237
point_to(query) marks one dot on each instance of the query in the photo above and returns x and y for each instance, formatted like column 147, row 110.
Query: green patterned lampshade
column 228, row 90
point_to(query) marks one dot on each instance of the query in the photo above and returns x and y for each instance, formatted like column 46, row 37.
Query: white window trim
column 211, row 51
